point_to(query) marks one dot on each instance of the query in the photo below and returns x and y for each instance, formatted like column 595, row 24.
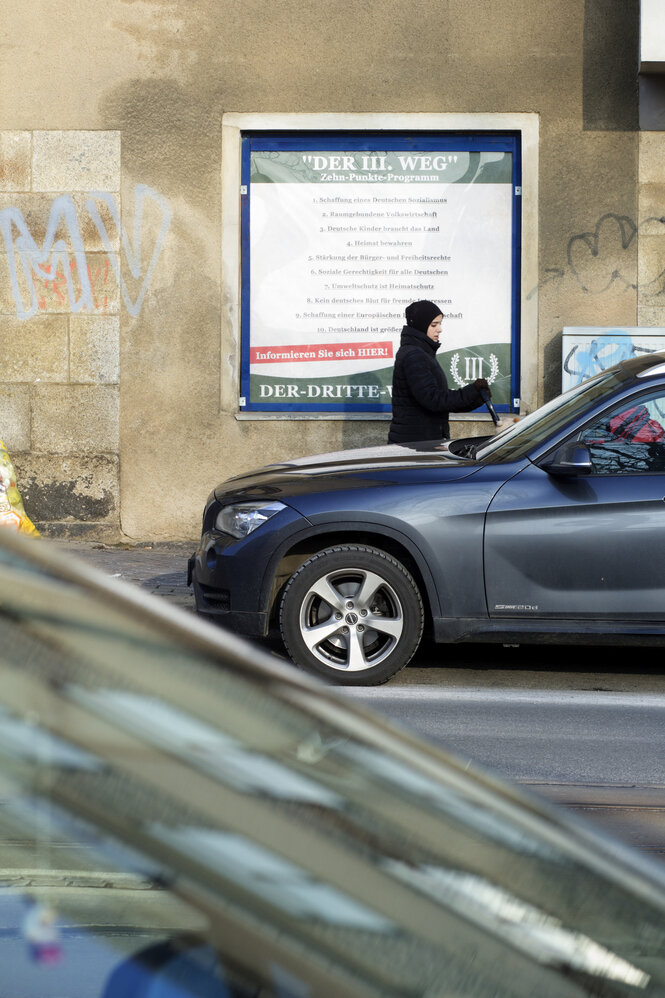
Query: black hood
column 351, row 469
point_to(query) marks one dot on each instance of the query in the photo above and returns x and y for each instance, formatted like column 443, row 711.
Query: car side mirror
column 571, row 458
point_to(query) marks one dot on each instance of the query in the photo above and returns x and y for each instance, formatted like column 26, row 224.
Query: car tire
column 352, row 614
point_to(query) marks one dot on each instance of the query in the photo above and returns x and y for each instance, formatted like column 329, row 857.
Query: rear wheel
column 352, row 614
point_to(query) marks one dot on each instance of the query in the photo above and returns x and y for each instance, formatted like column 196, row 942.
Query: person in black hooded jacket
column 421, row 398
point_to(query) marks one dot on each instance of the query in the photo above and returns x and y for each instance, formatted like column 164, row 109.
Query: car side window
column 630, row 439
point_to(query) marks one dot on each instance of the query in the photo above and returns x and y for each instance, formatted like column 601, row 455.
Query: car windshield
column 180, row 815
column 520, row 438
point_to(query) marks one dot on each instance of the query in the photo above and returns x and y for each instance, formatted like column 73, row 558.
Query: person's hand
column 480, row 384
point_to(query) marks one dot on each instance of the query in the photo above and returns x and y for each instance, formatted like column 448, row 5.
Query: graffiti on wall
column 51, row 283
column 62, row 265
column 603, row 257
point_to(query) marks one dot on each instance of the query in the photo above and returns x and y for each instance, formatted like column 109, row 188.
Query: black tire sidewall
column 352, row 556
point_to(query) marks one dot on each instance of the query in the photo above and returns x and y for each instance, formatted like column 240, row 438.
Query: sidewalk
column 159, row 568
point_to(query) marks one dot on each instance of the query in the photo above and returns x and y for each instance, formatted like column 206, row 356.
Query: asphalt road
column 599, row 753
column 591, row 740
column 584, row 727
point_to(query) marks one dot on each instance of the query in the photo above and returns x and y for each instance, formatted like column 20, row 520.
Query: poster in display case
column 340, row 233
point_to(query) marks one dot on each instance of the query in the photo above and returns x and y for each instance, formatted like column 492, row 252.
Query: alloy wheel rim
column 351, row 619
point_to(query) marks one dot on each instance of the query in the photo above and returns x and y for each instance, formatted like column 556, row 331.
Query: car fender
column 352, row 528
column 441, row 523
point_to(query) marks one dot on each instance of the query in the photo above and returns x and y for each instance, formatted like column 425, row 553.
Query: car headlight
column 240, row 519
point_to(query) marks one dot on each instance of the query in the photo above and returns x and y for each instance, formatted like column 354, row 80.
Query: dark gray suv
column 554, row 529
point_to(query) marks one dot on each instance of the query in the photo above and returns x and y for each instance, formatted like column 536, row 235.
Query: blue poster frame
column 477, row 141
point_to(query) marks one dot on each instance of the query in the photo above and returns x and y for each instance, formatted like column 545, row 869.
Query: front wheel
column 352, row 614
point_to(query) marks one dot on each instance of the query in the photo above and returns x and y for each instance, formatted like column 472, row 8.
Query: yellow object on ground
column 12, row 513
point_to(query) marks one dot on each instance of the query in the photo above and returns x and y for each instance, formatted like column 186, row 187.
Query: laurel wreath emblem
column 454, row 369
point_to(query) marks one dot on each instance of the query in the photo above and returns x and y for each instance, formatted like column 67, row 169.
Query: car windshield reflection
column 180, row 812
column 517, row 440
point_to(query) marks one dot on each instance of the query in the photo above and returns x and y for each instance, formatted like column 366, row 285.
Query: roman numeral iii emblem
column 474, row 367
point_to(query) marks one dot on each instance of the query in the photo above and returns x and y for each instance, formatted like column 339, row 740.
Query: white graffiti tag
column 132, row 255
column 60, row 255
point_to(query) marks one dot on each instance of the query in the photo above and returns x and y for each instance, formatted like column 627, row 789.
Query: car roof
column 644, row 365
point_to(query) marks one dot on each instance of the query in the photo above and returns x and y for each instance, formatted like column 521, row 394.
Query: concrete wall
column 60, row 324
column 114, row 396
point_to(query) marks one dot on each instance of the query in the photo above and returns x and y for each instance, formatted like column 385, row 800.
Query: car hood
column 357, row 468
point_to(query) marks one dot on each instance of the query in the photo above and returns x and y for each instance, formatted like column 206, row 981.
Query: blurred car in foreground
column 553, row 530
column 181, row 815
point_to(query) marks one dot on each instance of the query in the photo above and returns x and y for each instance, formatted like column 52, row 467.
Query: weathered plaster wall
column 651, row 229
column 59, row 361
column 113, row 412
